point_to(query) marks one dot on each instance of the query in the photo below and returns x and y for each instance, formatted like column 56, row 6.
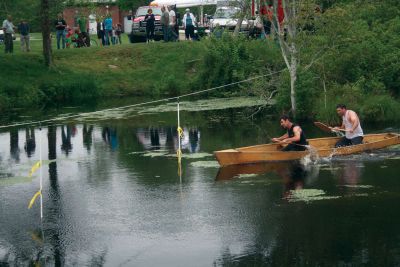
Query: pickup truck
column 2, row 36
column 226, row 18
column 138, row 33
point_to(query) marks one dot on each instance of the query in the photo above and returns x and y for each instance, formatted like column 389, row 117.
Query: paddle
column 327, row 128
column 284, row 143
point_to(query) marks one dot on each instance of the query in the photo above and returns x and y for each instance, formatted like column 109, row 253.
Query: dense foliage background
column 350, row 54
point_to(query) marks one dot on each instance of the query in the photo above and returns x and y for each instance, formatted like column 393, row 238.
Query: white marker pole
column 40, row 171
column 179, row 125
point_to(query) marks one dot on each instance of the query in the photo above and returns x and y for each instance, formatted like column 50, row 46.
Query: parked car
column 138, row 33
column 226, row 18
column 2, row 36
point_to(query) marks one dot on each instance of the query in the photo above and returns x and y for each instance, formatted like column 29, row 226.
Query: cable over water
column 140, row 104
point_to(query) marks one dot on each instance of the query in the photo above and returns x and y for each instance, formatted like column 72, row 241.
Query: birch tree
column 297, row 13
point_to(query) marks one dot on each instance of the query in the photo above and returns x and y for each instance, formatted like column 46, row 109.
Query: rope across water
column 139, row 104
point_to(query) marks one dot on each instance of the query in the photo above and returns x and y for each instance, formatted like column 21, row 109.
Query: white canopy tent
column 183, row 3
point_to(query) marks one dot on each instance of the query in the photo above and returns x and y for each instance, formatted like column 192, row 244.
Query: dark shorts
column 293, row 147
column 349, row 142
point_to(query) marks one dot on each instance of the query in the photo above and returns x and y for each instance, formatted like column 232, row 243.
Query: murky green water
column 112, row 196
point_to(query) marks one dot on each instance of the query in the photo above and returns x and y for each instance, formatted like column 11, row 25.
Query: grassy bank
column 161, row 69
column 155, row 69
column 87, row 73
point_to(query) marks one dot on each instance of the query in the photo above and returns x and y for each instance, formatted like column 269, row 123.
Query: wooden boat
column 324, row 147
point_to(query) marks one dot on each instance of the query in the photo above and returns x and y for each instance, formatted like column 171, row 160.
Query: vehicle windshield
column 225, row 13
column 143, row 11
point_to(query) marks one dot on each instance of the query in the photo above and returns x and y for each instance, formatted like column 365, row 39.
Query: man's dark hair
column 342, row 106
column 285, row 118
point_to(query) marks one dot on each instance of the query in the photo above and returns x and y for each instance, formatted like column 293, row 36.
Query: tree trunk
column 293, row 78
column 238, row 26
column 47, row 53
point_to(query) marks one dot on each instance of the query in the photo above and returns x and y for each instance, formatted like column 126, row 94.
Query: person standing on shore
column 82, row 22
column 150, row 19
column 118, row 32
column 100, row 31
column 108, row 22
column 165, row 23
column 60, row 30
column 188, row 24
column 8, row 28
column 172, row 23
column 24, row 29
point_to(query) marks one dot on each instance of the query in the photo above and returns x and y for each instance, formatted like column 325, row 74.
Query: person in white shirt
column 8, row 28
column 188, row 22
column 172, row 24
column 351, row 125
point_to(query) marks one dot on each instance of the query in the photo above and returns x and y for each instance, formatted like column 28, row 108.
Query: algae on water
column 135, row 110
column 205, row 164
column 308, row 195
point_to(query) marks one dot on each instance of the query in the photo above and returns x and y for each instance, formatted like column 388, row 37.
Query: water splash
column 312, row 157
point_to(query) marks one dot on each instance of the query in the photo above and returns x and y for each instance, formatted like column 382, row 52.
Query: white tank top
column 348, row 126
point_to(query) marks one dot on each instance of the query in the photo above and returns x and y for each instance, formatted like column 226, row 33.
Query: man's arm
column 353, row 118
column 278, row 139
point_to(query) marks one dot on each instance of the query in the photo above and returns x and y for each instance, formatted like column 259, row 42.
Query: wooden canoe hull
column 324, row 147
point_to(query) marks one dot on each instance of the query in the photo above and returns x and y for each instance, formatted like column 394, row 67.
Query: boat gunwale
column 236, row 150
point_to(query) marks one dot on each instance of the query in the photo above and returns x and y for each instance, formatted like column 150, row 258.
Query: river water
column 112, row 195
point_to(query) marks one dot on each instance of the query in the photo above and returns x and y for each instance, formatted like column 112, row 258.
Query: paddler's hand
column 334, row 129
column 276, row 140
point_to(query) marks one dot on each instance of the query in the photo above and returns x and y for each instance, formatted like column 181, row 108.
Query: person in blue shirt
column 24, row 29
column 108, row 27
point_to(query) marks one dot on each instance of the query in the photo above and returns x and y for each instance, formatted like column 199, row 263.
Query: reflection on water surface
column 112, row 197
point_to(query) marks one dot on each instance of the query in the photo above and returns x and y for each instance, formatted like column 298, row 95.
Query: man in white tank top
column 351, row 125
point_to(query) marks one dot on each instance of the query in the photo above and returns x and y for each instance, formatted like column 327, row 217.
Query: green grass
column 79, row 74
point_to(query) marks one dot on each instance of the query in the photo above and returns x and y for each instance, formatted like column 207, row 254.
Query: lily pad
column 205, row 164
column 308, row 195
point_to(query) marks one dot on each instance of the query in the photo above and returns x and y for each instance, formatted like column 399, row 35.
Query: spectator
column 8, row 28
column 82, row 22
column 178, row 19
column 218, row 31
column 60, row 30
column 108, row 29
column 172, row 24
column 165, row 23
column 113, row 36
column 100, row 32
column 23, row 29
column 118, row 32
column 188, row 24
column 69, row 36
column 149, row 18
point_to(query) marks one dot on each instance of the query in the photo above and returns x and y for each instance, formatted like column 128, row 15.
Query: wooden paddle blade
column 323, row 126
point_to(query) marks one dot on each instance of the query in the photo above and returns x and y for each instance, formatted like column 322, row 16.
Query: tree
column 297, row 15
column 131, row 4
column 47, row 52
column 244, row 11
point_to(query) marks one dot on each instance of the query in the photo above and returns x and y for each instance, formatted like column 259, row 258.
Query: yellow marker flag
column 180, row 132
column 38, row 193
column 35, row 167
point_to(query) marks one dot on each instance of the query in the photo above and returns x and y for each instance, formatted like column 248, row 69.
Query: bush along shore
column 357, row 65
